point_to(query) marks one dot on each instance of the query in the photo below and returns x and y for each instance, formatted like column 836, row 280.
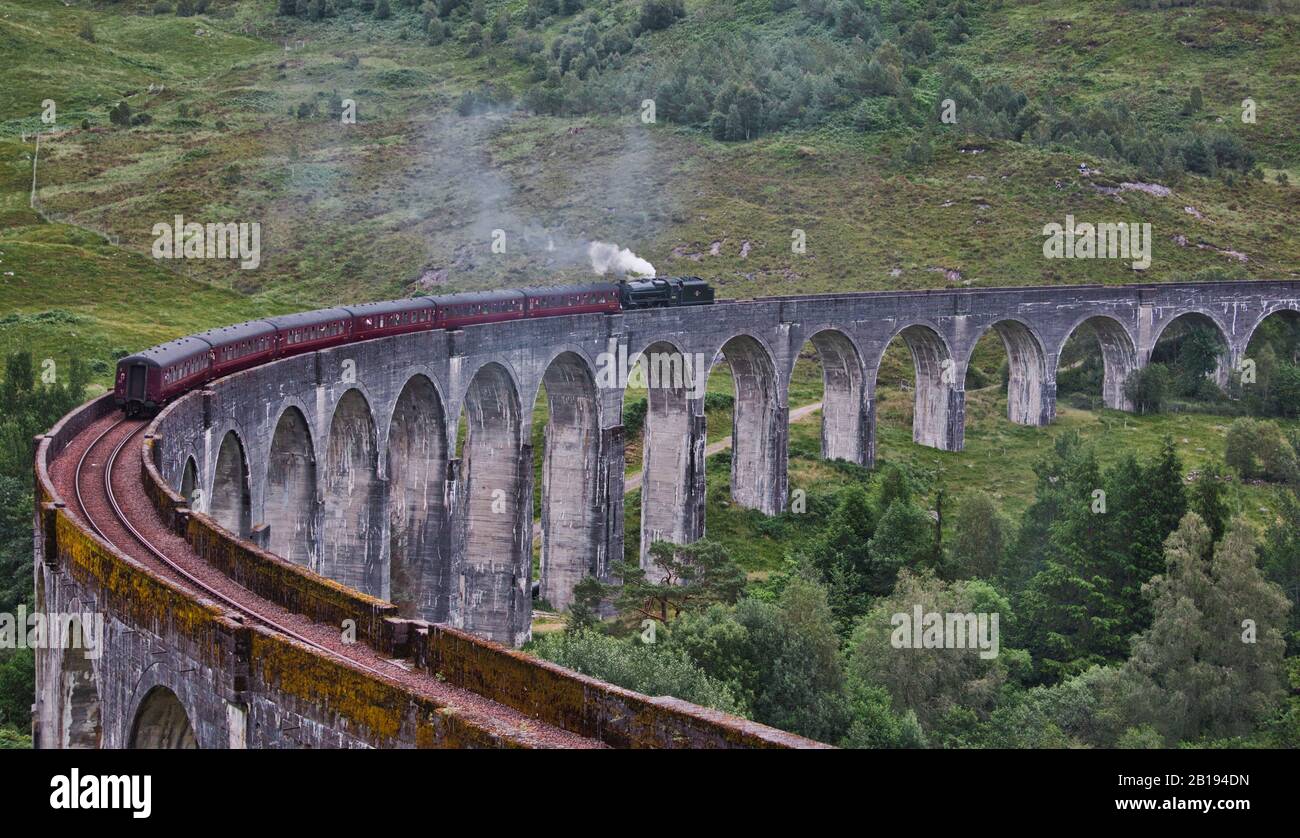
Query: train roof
column 237, row 332
column 389, row 306
column 587, row 288
column 479, row 297
column 166, row 354
column 309, row 318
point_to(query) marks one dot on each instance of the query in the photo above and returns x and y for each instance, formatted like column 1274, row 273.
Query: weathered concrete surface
column 179, row 671
column 454, row 543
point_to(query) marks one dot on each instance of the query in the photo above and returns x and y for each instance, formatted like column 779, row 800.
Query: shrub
column 919, row 153
column 637, row 666
column 1148, row 388
column 634, row 416
column 1259, row 450
column 120, row 114
column 660, row 14
column 500, row 28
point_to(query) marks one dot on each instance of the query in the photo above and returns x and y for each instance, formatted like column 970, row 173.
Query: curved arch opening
column 161, row 723
column 291, row 490
column 419, row 568
column 353, row 513
column 1269, row 375
column 1022, row 375
column 1195, row 351
column 844, row 434
column 497, row 568
column 231, row 505
column 190, row 482
column 758, row 426
column 1095, row 363
column 570, row 523
column 928, row 374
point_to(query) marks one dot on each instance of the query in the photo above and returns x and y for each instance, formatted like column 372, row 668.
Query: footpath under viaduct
column 348, row 465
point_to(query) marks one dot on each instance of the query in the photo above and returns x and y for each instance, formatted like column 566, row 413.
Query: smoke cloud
column 610, row 258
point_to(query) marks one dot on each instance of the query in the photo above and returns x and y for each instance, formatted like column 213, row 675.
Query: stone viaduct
column 349, row 462
column 347, row 468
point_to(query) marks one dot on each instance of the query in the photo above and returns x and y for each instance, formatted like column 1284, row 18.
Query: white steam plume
column 606, row 258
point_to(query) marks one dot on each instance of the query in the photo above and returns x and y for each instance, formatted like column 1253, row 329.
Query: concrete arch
column 1031, row 391
column 845, row 422
column 1203, row 318
column 81, row 720
column 570, row 470
column 602, row 376
column 1118, row 354
column 497, row 565
column 230, row 504
column 419, row 574
column 758, row 426
column 498, row 367
column 190, row 481
column 290, row 497
column 672, row 459
column 351, row 545
column 161, row 723
column 938, row 411
column 1279, row 308
column 1200, row 315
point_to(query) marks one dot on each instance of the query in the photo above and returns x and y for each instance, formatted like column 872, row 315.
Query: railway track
column 113, row 506
column 83, row 471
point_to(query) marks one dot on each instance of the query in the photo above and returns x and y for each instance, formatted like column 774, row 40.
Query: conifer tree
column 1211, row 664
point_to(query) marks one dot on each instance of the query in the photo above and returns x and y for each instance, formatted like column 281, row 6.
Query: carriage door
column 135, row 382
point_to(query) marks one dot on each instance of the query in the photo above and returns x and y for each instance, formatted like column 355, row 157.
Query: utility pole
column 35, row 155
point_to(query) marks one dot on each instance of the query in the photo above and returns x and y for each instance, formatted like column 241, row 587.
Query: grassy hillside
column 243, row 125
column 246, row 128
column 998, row 460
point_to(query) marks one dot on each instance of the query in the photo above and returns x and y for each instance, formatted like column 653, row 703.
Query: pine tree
column 894, row 486
column 1069, row 607
column 1207, row 500
column 841, row 559
column 1280, row 559
column 1211, row 664
column 681, row 576
column 1030, row 549
column 904, row 538
column 1165, row 505
column 980, row 540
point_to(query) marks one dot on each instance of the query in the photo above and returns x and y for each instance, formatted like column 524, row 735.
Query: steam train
column 150, row 379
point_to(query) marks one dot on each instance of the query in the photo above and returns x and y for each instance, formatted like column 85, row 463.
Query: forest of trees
column 1121, row 625
column 874, row 66
column 1136, row 610
column 31, row 401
